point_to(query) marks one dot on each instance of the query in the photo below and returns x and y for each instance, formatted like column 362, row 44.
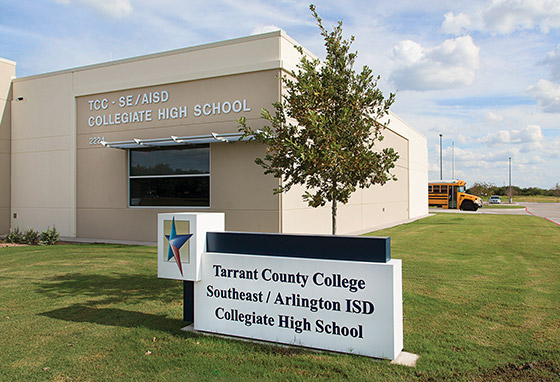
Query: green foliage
column 32, row 237
column 322, row 134
column 49, row 237
column 15, row 236
column 486, row 189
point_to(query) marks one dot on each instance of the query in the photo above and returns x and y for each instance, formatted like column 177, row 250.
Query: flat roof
column 239, row 40
column 6, row 61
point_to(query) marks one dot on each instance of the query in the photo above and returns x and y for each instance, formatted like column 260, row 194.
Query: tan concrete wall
column 59, row 178
column 253, row 53
column 237, row 186
column 253, row 90
column 373, row 207
column 417, row 166
column 366, row 209
column 43, row 154
column 7, row 72
column 45, row 139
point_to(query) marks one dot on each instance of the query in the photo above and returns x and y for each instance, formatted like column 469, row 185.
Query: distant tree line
column 485, row 189
column 163, row 169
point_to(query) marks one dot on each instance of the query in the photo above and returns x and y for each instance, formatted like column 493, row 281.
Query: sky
column 484, row 74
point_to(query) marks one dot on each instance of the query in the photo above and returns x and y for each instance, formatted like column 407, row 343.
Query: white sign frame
column 200, row 224
column 381, row 332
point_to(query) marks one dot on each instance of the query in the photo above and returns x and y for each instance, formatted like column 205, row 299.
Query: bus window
column 436, row 189
column 429, row 189
column 444, row 189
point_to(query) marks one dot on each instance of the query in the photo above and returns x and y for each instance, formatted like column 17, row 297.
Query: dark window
column 170, row 177
column 436, row 189
column 444, row 189
column 429, row 189
column 191, row 160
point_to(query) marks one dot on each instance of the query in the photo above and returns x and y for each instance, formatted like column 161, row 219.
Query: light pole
column 453, row 160
column 510, row 180
column 440, row 158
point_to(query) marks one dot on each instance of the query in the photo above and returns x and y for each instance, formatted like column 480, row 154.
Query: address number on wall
column 96, row 140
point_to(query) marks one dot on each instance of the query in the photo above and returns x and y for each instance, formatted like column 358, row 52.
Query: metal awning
column 177, row 141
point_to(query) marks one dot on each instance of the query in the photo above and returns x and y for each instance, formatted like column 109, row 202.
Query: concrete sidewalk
column 105, row 241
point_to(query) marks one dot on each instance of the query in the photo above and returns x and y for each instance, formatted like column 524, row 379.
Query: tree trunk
column 334, row 216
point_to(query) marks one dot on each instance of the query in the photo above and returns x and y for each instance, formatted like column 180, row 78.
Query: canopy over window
column 175, row 141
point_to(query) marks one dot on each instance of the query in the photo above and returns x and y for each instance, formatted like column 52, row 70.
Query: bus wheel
column 468, row 205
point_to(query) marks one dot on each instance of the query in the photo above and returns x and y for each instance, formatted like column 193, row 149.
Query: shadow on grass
column 117, row 317
column 82, row 296
column 97, row 289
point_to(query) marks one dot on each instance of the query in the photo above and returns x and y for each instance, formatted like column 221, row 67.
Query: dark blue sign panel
column 351, row 248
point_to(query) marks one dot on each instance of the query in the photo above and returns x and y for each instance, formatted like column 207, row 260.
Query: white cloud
column 493, row 117
column 552, row 60
column 455, row 24
column 547, row 94
column 450, row 65
column 531, row 134
column 261, row 28
column 110, row 8
column 507, row 16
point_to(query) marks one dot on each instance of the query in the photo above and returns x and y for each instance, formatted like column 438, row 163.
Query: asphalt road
column 549, row 211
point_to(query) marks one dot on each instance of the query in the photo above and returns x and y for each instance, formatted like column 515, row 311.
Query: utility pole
column 440, row 158
column 453, row 160
column 510, row 180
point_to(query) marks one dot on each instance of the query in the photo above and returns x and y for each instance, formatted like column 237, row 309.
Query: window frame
column 129, row 177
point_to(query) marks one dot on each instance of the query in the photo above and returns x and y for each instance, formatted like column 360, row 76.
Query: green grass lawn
column 481, row 302
column 522, row 199
column 503, row 206
column 536, row 198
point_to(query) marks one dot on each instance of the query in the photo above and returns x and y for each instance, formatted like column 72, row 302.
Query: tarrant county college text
column 319, row 278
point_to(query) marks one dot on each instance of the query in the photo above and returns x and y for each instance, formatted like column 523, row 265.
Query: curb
column 530, row 213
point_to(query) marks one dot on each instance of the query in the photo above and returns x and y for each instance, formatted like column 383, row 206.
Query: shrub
column 49, row 237
column 31, row 236
column 15, row 236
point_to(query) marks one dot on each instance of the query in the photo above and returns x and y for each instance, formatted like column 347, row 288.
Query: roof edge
column 6, row 61
column 233, row 41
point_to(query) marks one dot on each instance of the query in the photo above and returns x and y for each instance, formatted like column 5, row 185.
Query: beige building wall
column 43, row 154
column 59, row 178
column 58, row 170
column 417, row 166
column 7, row 73
column 367, row 208
column 237, row 186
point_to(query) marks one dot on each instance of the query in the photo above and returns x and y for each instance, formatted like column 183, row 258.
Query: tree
column 482, row 188
column 322, row 133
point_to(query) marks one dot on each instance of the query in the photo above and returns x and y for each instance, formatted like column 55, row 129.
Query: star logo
column 175, row 244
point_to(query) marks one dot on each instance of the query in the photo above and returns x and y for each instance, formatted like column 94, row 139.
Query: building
column 98, row 151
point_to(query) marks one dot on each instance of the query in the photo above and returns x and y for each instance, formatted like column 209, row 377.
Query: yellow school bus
column 450, row 194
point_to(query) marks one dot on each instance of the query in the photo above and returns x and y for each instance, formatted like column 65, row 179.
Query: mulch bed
column 4, row 244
